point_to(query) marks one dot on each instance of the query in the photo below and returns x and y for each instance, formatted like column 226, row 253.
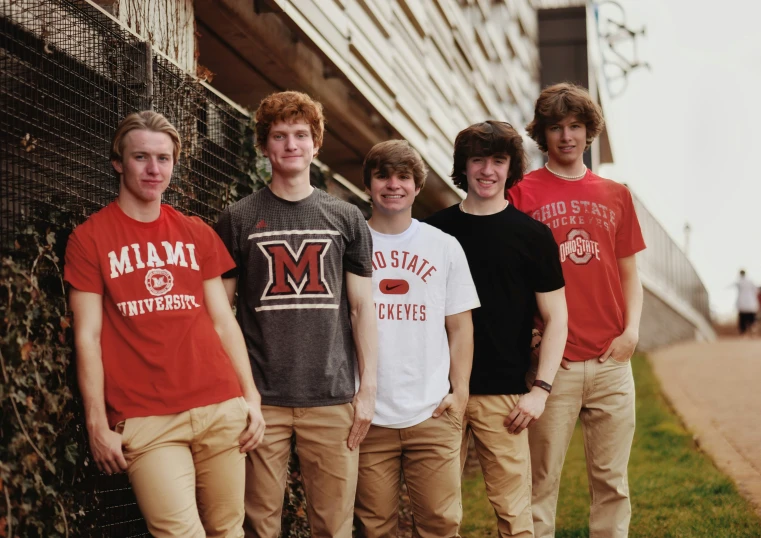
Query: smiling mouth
column 393, row 196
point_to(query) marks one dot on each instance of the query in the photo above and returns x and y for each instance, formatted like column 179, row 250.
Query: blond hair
column 146, row 120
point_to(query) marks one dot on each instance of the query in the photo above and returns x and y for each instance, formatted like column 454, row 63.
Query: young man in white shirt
column 423, row 295
column 747, row 303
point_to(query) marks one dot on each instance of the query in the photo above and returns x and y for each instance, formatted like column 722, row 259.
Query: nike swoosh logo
column 394, row 286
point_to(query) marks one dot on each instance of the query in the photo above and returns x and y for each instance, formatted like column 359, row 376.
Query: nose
column 290, row 142
column 153, row 166
column 393, row 182
column 488, row 167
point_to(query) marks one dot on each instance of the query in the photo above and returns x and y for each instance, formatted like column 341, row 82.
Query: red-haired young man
column 596, row 228
column 305, row 305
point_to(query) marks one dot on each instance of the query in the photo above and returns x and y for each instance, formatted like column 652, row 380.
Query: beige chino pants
column 187, row 470
column 429, row 455
column 504, row 459
column 328, row 470
column 602, row 396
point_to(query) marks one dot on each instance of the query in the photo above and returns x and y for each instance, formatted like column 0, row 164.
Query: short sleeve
column 216, row 258
column 81, row 268
column 461, row 290
column 229, row 238
column 546, row 273
column 629, row 238
column 358, row 254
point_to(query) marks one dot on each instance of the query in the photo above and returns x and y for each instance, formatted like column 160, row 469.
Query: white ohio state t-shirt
column 419, row 277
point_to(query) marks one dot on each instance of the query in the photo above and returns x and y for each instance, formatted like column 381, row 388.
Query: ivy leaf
column 26, row 349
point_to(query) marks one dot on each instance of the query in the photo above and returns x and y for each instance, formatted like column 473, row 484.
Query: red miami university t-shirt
column 161, row 354
column 594, row 223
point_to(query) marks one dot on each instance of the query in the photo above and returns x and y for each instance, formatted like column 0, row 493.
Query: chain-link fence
column 68, row 75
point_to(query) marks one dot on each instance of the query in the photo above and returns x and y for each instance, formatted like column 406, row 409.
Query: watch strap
column 542, row 385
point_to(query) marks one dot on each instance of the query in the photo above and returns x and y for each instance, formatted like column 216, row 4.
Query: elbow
column 359, row 308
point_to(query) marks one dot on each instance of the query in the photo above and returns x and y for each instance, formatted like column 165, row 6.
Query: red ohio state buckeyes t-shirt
column 161, row 353
column 594, row 223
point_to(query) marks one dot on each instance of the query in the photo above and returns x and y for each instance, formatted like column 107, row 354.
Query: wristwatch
column 542, row 385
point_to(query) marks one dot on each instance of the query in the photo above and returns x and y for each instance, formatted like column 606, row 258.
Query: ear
column 117, row 166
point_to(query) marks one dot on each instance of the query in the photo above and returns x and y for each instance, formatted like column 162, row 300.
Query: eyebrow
column 298, row 131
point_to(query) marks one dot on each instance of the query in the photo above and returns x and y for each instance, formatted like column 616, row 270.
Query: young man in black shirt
column 516, row 268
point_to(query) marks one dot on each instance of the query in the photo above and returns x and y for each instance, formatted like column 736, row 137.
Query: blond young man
column 515, row 266
column 596, row 228
column 305, row 305
column 423, row 295
column 161, row 361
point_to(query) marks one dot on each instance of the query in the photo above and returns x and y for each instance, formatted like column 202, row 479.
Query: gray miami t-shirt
column 291, row 258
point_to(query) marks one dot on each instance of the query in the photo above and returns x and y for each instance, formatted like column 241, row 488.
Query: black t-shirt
column 511, row 257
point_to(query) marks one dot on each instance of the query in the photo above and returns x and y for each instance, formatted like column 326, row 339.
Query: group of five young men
column 382, row 347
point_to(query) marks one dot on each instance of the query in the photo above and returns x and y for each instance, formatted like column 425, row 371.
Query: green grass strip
column 677, row 492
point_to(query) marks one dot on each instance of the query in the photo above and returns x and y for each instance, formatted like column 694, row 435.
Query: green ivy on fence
column 42, row 446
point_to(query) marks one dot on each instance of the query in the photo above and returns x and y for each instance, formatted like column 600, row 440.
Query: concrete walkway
column 716, row 389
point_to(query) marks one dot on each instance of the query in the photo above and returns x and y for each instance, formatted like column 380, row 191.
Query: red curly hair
column 289, row 107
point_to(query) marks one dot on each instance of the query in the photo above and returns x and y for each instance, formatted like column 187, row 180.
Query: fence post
column 149, row 74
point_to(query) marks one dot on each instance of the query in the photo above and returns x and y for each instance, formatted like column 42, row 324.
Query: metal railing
column 665, row 264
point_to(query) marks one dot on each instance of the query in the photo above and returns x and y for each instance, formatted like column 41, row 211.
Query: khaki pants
column 504, row 460
column 602, row 396
column 187, row 471
column 429, row 455
column 328, row 470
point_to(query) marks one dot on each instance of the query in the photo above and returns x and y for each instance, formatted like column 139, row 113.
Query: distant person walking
column 747, row 302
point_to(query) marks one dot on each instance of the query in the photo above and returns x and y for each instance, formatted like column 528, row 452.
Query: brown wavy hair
column 394, row 156
column 560, row 101
column 483, row 140
column 289, row 107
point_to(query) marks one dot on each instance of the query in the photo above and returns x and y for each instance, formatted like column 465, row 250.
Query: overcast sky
column 687, row 135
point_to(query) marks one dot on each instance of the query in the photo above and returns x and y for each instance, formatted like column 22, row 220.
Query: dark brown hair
column 560, row 101
column 289, row 107
column 484, row 140
column 394, row 156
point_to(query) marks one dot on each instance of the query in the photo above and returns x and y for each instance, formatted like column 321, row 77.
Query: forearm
column 551, row 348
column 633, row 298
column 235, row 347
column 365, row 332
column 461, row 356
column 91, row 384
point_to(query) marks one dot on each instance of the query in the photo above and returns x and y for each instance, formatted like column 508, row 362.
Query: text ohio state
column 580, row 213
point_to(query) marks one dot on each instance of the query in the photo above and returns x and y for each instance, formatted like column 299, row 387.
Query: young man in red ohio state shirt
column 162, row 364
column 596, row 228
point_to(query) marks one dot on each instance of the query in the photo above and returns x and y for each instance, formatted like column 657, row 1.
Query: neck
column 576, row 168
column 141, row 212
column 480, row 206
column 390, row 224
column 292, row 189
